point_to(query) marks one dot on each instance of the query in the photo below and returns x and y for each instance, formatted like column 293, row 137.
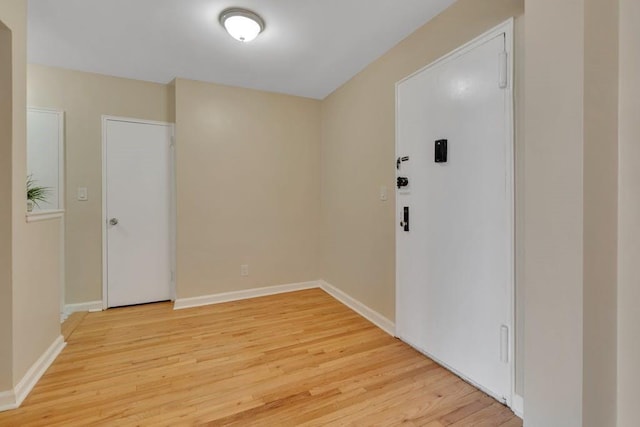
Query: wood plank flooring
column 72, row 322
column 286, row 360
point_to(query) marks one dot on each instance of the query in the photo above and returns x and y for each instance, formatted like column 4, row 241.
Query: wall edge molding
column 13, row 399
column 44, row 215
column 7, row 400
column 517, row 405
column 183, row 303
column 82, row 306
column 368, row 313
column 33, row 375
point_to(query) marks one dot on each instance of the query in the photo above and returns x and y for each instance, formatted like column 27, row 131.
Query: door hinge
column 503, row 80
column 504, row 344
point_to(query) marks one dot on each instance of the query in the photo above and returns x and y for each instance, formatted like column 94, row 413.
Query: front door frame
column 513, row 400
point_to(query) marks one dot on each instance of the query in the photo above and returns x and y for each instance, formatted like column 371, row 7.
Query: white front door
column 454, row 260
column 137, row 185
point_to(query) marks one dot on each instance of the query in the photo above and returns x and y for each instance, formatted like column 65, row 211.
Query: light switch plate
column 384, row 193
column 83, row 195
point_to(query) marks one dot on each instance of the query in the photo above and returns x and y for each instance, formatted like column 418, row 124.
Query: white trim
column 183, row 303
column 507, row 29
column 83, row 306
column 173, row 201
column 61, row 151
column 373, row 316
column 44, row 215
column 30, row 379
column 134, row 120
column 517, row 405
column 7, row 400
column 172, row 213
column 368, row 313
column 103, row 225
column 63, row 270
column 13, row 399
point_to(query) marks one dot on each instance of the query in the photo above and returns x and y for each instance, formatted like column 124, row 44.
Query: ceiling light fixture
column 241, row 24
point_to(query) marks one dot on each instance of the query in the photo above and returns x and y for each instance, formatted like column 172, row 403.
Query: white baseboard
column 83, row 306
column 7, row 400
column 371, row 315
column 517, row 405
column 182, row 303
column 366, row 312
column 13, row 399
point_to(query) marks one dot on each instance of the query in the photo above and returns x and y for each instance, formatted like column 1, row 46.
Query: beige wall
column 571, row 222
column 600, row 212
column 85, row 97
column 358, row 152
column 35, row 295
column 554, row 69
column 247, row 188
column 278, row 186
column 629, row 216
column 6, row 105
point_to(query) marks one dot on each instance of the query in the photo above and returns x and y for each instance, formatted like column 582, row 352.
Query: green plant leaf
column 36, row 193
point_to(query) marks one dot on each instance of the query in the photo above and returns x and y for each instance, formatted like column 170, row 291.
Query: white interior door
column 137, row 164
column 455, row 263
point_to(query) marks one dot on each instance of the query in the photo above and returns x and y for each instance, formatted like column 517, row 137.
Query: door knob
column 113, row 221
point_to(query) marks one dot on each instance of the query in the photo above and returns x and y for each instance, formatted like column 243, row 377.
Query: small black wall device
column 405, row 219
column 400, row 160
column 441, row 151
column 403, row 181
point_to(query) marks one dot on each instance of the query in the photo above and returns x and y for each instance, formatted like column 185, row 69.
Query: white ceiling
column 309, row 47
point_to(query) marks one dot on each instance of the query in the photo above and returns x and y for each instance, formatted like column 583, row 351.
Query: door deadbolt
column 113, row 221
column 405, row 218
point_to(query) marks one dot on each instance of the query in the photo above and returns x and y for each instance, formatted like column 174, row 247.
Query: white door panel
column 138, row 182
column 455, row 264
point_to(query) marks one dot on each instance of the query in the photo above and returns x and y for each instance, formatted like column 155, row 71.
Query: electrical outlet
column 244, row 270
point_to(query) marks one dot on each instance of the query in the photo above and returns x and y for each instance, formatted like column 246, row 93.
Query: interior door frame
column 506, row 28
column 172, row 203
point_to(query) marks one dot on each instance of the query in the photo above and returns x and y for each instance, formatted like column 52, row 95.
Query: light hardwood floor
column 293, row 359
column 72, row 322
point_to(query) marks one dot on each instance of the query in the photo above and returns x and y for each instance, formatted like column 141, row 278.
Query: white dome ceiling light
column 242, row 24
